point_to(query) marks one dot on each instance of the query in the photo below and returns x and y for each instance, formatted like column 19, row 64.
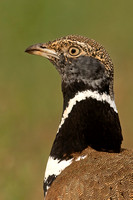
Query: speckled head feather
column 71, row 53
column 90, row 46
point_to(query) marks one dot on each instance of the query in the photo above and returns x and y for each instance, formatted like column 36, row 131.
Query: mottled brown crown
column 54, row 50
column 90, row 46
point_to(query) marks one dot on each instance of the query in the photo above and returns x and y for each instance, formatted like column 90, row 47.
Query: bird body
column 86, row 160
column 98, row 176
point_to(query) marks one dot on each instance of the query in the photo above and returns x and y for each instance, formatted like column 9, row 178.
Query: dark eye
column 74, row 51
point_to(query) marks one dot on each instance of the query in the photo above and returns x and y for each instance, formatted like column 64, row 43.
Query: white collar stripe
column 84, row 95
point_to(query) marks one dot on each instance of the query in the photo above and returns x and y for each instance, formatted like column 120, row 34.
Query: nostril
column 42, row 46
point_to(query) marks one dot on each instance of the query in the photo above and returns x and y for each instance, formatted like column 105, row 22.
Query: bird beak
column 42, row 50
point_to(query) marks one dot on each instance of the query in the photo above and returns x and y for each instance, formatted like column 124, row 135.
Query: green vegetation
column 30, row 96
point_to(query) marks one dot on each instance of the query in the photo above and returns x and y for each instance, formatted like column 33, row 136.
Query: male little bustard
column 86, row 160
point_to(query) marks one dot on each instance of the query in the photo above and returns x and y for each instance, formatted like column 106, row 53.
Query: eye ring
column 74, row 51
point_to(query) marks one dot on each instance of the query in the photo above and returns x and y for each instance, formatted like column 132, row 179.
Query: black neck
column 69, row 91
column 90, row 123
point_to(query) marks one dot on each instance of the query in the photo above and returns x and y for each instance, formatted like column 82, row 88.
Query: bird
column 86, row 161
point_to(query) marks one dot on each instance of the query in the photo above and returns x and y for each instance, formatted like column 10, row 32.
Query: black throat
column 91, row 122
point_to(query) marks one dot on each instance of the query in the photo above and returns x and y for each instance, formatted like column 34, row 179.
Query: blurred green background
column 30, row 96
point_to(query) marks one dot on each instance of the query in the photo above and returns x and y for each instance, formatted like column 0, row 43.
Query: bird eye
column 74, row 51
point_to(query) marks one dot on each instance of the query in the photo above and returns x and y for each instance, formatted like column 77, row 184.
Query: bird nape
column 86, row 160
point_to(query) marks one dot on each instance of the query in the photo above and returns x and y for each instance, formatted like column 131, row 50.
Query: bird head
column 79, row 61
